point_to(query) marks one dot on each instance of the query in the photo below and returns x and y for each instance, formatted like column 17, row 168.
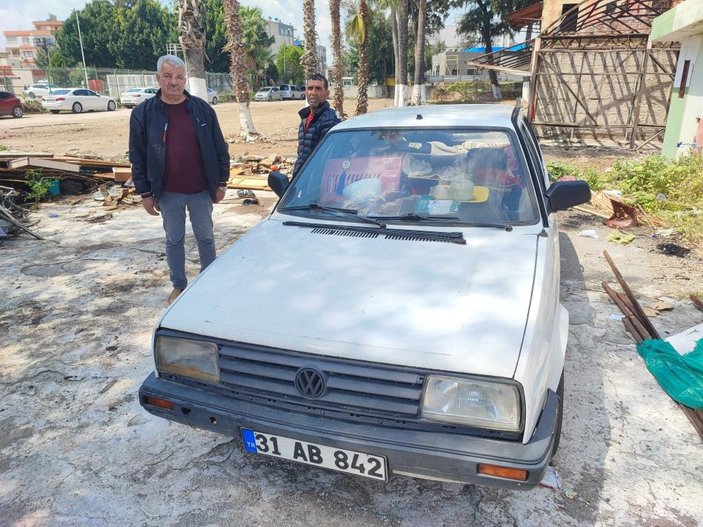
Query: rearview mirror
column 278, row 182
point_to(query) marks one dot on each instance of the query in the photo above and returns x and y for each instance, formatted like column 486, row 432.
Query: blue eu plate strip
column 249, row 441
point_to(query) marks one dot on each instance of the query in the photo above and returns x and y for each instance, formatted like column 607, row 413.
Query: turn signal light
column 157, row 401
column 503, row 472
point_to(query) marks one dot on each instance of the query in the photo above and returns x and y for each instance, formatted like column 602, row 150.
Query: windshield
column 456, row 176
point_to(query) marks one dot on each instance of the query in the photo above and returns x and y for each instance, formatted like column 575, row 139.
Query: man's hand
column 150, row 205
column 219, row 195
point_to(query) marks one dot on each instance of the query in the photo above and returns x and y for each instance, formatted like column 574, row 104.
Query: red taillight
column 159, row 402
column 58, row 99
column 137, row 95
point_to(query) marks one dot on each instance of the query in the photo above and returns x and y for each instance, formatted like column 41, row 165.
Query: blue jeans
column 173, row 213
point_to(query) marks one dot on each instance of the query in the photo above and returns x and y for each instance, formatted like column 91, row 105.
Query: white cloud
column 16, row 14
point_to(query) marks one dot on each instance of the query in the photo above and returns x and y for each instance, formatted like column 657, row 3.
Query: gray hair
column 173, row 60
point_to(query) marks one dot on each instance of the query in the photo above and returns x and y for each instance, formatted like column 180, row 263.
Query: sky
column 19, row 14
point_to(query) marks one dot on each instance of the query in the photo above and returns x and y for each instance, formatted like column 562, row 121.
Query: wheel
column 214, row 101
column 17, row 111
column 77, row 108
column 54, row 111
column 111, row 106
column 560, row 416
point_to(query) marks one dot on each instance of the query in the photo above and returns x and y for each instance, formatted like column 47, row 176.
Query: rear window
column 60, row 92
column 134, row 90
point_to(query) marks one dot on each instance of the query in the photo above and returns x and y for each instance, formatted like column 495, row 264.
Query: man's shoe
column 174, row 294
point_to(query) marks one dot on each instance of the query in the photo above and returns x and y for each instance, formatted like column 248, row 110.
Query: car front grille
column 352, row 389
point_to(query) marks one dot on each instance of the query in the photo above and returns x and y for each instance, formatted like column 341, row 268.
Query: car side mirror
column 278, row 182
column 564, row 194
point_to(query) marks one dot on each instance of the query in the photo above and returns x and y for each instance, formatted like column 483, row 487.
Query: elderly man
column 316, row 119
column 180, row 162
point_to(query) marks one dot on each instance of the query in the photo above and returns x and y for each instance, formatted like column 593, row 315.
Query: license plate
column 337, row 459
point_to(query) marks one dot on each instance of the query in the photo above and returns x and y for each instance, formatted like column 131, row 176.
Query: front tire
column 111, row 106
column 560, row 416
column 17, row 112
column 77, row 107
column 214, row 101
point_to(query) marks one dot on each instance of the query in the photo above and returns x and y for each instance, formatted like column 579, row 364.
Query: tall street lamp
column 43, row 42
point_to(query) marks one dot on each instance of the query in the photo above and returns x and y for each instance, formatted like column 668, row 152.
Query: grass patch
column 671, row 190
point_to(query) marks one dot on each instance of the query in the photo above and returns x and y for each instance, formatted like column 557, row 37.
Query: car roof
column 434, row 116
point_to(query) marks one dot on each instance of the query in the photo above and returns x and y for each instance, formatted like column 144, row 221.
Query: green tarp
column 681, row 376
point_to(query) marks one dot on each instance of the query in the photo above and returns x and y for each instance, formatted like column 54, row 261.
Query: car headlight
column 482, row 404
column 189, row 358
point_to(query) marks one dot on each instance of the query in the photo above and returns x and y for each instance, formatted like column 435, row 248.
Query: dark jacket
column 325, row 118
column 147, row 144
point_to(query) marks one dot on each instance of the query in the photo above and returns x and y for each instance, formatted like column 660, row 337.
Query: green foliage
column 379, row 47
column 38, row 185
column 671, row 190
column 289, row 65
column 3, row 148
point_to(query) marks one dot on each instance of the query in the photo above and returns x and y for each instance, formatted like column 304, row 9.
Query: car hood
column 417, row 303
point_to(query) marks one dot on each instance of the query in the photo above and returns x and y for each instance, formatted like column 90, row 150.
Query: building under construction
column 593, row 76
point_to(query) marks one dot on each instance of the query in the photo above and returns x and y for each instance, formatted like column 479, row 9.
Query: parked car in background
column 407, row 318
column 291, row 92
column 77, row 100
column 135, row 96
column 10, row 104
column 268, row 93
column 39, row 89
column 211, row 96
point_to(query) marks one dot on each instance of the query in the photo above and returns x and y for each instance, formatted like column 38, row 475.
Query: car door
column 95, row 100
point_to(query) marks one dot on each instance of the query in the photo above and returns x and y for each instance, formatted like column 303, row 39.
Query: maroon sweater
column 184, row 163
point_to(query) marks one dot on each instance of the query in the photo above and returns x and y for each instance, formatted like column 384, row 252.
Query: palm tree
column 310, row 57
column 256, row 42
column 401, row 87
column 362, row 99
column 419, row 90
column 235, row 47
column 338, row 95
column 192, row 39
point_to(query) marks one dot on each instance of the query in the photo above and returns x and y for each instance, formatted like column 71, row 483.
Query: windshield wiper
column 334, row 210
column 412, row 216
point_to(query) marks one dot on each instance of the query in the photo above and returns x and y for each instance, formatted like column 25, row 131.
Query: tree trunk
column 402, row 83
column 419, row 90
column 492, row 75
column 396, row 55
column 363, row 95
column 338, row 95
column 310, row 57
column 192, row 38
column 237, row 54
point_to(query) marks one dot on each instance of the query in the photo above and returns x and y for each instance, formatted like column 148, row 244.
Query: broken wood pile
column 75, row 175
column 250, row 172
column 641, row 328
column 13, row 218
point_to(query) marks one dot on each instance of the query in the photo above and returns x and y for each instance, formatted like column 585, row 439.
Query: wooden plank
column 697, row 301
column 121, row 174
column 249, row 182
column 636, row 308
column 41, row 162
column 12, row 155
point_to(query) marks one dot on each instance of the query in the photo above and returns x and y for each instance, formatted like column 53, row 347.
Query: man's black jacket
column 147, row 144
column 325, row 118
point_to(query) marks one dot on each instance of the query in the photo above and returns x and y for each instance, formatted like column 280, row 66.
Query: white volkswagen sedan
column 397, row 314
column 77, row 100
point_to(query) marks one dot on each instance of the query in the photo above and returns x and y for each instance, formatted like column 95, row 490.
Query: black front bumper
column 429, row 455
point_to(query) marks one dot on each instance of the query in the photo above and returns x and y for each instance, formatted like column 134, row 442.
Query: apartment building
column 22, row 46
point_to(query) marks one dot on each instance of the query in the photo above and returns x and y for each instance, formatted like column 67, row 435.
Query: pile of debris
column 638, row 325
column 109, row 182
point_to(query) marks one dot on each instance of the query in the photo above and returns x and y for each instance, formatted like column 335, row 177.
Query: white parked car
column 291, row 92
column 77, row 100
column 268, row 93
column 39, row 89
column 212, row 96
column 406, row 317
column 134, row 96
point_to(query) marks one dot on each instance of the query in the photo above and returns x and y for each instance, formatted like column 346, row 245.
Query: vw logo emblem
column 310, row 383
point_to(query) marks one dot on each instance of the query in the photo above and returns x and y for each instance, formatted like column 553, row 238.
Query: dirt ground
column 106, row 134
column 76, row 314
